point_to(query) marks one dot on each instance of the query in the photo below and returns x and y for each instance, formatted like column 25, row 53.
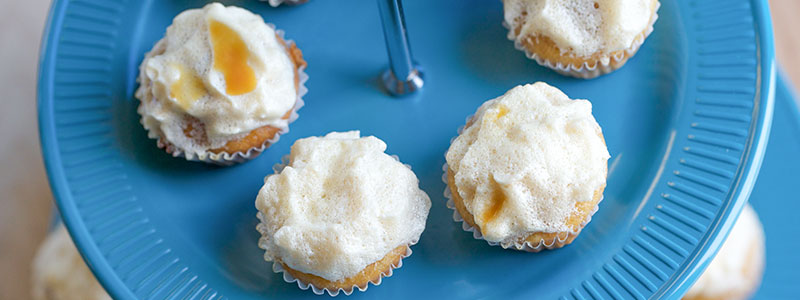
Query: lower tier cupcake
column 528, row 169
column 340, row 213
column 735, row 273
column 59, row 272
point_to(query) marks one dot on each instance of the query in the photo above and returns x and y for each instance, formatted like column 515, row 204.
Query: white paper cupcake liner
column 604, row 65
column 277, row 267
column 515, row 244
column 225, row 158
column 276, row 3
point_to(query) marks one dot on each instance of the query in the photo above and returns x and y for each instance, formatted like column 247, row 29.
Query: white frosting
column 582, row 27
column 59, row 272
column 187, row 52
column 725, row 274
column 536, row 148
column 340, row 205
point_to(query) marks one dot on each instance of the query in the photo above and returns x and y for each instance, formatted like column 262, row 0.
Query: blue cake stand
column 686, row 122
column 775, row 199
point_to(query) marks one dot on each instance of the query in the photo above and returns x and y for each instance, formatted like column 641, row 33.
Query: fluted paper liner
column 604, row 65
column 277, row 267
column 225, row 158
column 555, row 243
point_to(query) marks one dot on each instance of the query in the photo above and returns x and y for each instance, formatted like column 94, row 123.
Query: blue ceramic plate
column 775, row 199
column 686, row 122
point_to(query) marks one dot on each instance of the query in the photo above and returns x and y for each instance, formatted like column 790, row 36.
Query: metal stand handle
column 403, row 76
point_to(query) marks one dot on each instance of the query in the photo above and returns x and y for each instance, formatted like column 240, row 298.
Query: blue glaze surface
column 686, row 122
column 773, row 198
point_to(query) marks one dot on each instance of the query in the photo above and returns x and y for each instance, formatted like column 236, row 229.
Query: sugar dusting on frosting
column 340, row 205
column 725, row 274
column 582, row 27
column 526, row 159
column 59, row 272
column 222, row 66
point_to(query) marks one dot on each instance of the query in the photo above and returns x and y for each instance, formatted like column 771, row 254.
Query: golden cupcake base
column 373, row 273
column 534, row 241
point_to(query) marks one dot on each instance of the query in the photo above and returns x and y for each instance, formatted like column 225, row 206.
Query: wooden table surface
column 786, row 27
column 26, row 200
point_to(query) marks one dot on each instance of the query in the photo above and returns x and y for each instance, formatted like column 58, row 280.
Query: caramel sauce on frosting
column 230, row 58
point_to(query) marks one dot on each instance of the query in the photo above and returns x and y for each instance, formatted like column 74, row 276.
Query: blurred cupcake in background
column 59, row 272
column 736, row 271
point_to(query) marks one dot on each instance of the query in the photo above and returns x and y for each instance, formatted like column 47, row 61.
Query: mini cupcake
column 528, row 170
column 735, row 273
column 59, row 272
column 340, row 213
column 221, row 86
column 276, row 3
column 580, row 38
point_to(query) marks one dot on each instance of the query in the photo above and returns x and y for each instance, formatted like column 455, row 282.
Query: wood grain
column 786, row 28
column 24, row 192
